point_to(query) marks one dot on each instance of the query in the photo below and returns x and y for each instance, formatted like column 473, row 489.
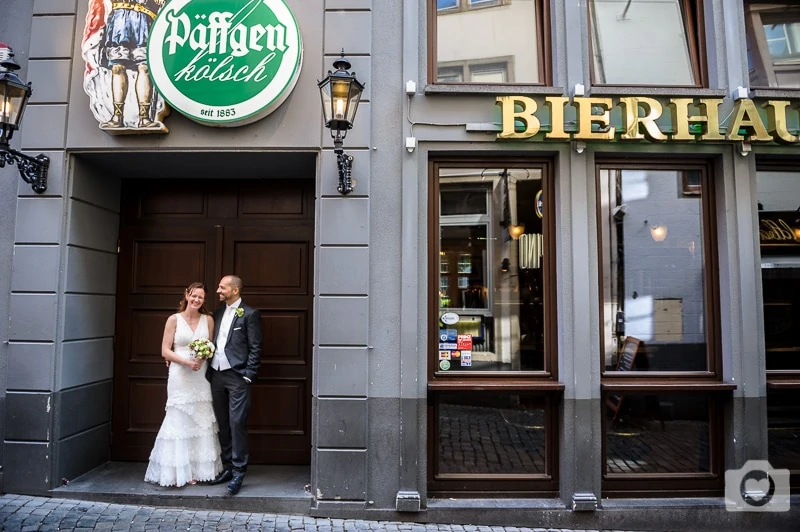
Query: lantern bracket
column 345, row 164
column 33, row 170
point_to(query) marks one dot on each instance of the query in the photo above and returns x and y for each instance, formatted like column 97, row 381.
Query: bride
column 187, row 448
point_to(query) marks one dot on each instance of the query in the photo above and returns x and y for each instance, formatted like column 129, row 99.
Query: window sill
column 667, row 386
column 696, row 92
column 500, row 90
column 774, row 93
column 783, row 385
column 508, row 384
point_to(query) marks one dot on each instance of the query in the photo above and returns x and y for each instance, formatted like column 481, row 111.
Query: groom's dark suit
column 230, row 389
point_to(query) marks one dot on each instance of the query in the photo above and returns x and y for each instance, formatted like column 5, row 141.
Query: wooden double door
column 175, row 232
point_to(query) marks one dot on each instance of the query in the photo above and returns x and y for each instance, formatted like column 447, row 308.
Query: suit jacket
column 243, row 348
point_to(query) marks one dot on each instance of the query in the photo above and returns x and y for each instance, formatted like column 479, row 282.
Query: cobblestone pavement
column 24, row 513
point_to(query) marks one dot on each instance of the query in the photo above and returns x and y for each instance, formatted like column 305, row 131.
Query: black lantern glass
column 14, row 94
column 341, row 94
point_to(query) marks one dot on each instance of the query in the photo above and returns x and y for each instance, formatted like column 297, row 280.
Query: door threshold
column 266, row 489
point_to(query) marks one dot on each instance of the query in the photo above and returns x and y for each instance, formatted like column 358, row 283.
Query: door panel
column 277, row 262
column 154, row 263
column 172, row 235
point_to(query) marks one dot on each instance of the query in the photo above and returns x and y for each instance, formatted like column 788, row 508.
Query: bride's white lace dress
column 187, row 447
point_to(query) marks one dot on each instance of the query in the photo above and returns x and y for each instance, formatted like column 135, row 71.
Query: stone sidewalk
column 24, row 513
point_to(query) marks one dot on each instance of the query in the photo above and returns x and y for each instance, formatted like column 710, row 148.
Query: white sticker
column 450, row 318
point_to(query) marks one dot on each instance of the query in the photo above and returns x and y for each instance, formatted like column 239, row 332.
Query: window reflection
column 773, row 43
column 491, row 434
column 487, row 41
column 783, row 424
column 491, row 292
column 779, row 228
column 654, row 270
column 658, row 434
column 462, row 269
column 662, row 31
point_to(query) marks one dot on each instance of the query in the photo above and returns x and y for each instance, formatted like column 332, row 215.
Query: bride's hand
column 196, row 364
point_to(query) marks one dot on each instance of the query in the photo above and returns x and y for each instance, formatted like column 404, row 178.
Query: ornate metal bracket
column 33, row 170
column 345, row 164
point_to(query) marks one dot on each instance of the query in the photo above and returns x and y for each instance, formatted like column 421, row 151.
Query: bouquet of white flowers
column 202, row 348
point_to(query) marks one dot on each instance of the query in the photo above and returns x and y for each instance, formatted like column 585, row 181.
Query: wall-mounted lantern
column 14, row 94
column 341, row 94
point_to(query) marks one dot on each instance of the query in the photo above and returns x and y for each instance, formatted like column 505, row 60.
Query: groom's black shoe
column 236, row 484
column 225, row 476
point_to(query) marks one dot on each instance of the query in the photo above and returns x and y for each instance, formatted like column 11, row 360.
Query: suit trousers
column 230, row 394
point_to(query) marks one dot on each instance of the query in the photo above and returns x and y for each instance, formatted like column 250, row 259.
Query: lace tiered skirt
column 187, row 447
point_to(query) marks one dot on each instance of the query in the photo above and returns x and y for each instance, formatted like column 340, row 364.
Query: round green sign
column 225, row 62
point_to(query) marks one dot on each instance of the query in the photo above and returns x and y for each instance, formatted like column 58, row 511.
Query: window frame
column 527, row 380
column 713, row 373
column 543, row 37
column 694, row 26
column 493, row 484
column 706, row 384
column 532, row 383
column 754, row 34
column 779, row 380
column 685, row 484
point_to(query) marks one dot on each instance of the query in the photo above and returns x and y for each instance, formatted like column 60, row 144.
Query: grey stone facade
column 58, row 253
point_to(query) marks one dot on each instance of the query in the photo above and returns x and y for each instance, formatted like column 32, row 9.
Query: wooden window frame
column 488, row 379
column 694, row 25
column 713, row 371
column 707, row 384
column 688, row 484
column 779, row 378
column 539, row 383
column 757, row 43
column 543, row 37
column 497, row 485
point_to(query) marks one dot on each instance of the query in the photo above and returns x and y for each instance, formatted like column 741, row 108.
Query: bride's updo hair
column 191, row 288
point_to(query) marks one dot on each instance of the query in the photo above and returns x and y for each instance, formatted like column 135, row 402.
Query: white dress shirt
column 220, row 361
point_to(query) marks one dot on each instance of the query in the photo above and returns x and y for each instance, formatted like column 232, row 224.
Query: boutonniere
column 239, row 312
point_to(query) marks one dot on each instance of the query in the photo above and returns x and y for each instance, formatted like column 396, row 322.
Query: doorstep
column 266, row 489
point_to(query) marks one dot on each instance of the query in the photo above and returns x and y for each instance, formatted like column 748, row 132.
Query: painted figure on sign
column 114, row 47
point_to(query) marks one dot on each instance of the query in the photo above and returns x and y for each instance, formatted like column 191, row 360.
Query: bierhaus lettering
column 691, row 119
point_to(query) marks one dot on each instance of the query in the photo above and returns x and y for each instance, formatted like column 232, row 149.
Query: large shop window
column 773, row 43
column 778, row 189
column 493, row 386
column 661, row 380
column 647, row 42
column 489, row 41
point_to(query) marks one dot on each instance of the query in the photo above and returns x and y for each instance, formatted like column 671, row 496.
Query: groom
column 237, row 336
